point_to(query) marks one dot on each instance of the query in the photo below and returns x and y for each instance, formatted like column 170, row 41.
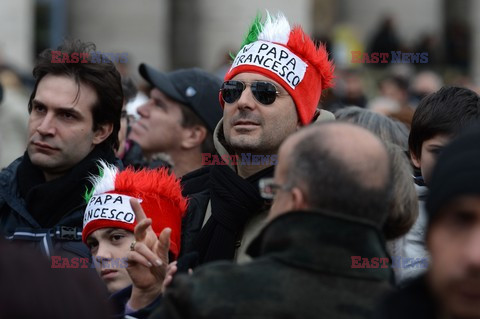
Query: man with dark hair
column 330, row 193
column 74, row 118
column 439, row 117
column 179, row 118
column 264, row 100
column 451, row 286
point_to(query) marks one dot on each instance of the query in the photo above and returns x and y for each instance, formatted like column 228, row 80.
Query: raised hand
column 147, row 260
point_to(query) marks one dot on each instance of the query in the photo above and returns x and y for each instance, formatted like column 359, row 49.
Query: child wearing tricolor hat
column 109, row 219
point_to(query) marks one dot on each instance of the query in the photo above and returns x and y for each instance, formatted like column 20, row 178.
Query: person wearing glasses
column 272, row 89
column 330, row 196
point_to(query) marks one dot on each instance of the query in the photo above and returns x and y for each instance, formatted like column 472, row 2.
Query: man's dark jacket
column 302, row 269
column 225, row 211
column 17, row 223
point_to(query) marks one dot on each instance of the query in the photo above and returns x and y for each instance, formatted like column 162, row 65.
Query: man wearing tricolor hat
column 109, row 222
column 272, row 89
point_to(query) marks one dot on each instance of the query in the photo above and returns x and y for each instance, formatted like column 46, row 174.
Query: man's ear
column 102, row 133
column 416, row 161
column 193, row 136
column 299, row 199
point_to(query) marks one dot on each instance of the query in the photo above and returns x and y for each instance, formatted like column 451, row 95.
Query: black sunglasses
column 263, row 92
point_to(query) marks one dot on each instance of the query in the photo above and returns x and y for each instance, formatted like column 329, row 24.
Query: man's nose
column 144, row 109
column 246, row 99
column 47, row 126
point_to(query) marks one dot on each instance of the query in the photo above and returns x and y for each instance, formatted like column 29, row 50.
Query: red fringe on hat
column 161, row 196
column 301, row 44
column 156, row 182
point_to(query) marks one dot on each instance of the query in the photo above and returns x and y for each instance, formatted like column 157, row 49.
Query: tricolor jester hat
column 289, row 57
column 158, row 192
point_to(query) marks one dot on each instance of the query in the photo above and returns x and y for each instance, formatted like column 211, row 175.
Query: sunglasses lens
column 231, row 91
column 264, row 92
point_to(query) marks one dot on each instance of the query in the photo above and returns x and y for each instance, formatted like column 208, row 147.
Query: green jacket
column 302, row 269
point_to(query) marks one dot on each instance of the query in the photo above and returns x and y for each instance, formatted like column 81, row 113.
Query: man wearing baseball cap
column 272, row 89
column 179, row 118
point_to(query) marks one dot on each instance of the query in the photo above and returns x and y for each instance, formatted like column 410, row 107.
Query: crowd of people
column 316, row 205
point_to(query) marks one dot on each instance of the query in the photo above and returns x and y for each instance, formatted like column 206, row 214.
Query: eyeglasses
column 263, row 92
column 268, row 188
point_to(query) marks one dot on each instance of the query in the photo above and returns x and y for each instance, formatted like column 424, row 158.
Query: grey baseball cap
column 192, row 87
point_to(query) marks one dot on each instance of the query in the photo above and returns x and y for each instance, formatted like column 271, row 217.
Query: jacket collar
column 323, row 241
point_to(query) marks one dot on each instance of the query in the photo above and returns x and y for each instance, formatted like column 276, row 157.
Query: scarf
column 234, row 201
column 48, row 202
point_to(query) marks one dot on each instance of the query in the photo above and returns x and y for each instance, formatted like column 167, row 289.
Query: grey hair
column 387, row 129
column 403, row 210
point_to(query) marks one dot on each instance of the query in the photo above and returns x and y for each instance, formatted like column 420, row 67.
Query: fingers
column 164, row 242
column 137, row 209
column 140, row 230
column 143, row 227
column 171, row 270
column 167, row 281
column 135, row 258
column 148, row 255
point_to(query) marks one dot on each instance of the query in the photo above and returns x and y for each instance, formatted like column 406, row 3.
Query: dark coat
column 302, row 269
column 119, row 300
column 413, row 301
column 16, row 223
column 196, row 187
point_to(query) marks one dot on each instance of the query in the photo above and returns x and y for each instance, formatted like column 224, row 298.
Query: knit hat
column 456, row 173
column 289, row 57
column 158, row 192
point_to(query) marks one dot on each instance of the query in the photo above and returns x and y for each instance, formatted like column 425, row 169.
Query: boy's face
column 428, row 157
column 109, row 247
